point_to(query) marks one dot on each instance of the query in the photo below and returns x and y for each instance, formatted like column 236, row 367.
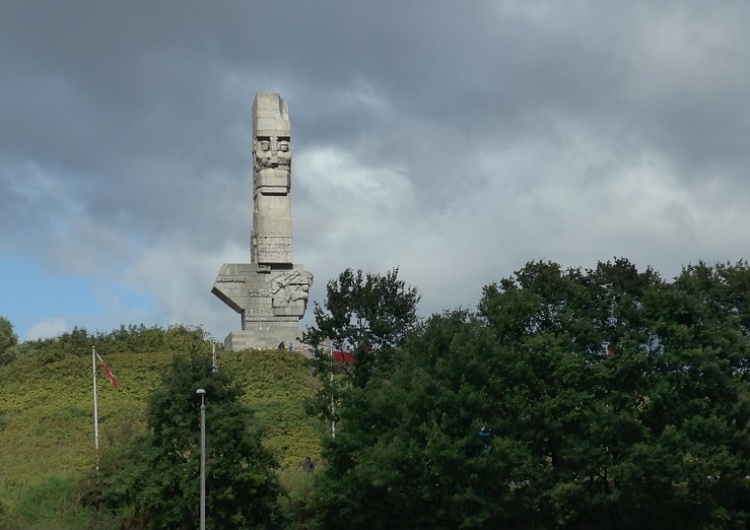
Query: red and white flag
column 112, row 376
column 341, row 355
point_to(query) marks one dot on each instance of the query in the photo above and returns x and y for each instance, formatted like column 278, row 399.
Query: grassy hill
column 46, row 423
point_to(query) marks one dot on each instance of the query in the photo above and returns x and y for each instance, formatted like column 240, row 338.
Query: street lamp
column 203, row 457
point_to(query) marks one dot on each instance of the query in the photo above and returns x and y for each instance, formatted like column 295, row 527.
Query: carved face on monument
column 265, row 145
column 304, row 291
column 284, row 146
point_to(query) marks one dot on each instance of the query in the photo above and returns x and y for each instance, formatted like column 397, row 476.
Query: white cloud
column 51, row 327
column 179, row 277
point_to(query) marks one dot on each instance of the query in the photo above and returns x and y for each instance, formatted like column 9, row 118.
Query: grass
column 46, row 423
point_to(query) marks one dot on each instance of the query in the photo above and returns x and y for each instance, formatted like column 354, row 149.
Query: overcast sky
column 454, row 140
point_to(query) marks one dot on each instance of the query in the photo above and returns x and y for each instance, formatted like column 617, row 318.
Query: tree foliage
column 572, row 399
column 8, row 339
column 369, row 313
column 157, row 482
column 125, row 339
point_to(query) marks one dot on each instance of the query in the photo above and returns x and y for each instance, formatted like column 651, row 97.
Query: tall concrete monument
column 270, row 293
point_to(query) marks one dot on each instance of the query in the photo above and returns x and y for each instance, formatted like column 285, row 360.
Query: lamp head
column 200, row 391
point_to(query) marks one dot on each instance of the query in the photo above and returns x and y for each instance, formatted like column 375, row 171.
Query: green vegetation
column 569, row 399
column 8, row 339
column 46, row 416
column 155, row 483
column 370, row 315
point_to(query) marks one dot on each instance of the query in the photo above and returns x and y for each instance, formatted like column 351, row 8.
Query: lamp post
column 203, row 457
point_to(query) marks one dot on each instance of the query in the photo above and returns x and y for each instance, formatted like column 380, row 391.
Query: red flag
column 610, row 351
column 341, row 356
column 112, row 377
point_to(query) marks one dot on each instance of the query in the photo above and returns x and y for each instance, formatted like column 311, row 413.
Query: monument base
column 271, row 302
column 264, row 338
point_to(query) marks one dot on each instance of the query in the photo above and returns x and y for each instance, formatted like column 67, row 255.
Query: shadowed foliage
column 572, row 399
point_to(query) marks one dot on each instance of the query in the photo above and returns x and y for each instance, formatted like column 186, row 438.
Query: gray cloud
column 454, row 140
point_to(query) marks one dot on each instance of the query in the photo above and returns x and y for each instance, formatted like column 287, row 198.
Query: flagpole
column 202, row 392
column 333, row 403
column 96, row 408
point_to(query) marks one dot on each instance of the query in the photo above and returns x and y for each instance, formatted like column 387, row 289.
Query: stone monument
column 270, row 293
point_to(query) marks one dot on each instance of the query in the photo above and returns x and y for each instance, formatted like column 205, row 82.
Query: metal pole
column 333, row 404
column 333, row 407
column 96, row 409
column 203, row 457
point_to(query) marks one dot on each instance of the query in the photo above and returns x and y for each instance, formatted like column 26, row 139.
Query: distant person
column 282, row 346
column 485, row 435
column 291, row 347
column 308, row 466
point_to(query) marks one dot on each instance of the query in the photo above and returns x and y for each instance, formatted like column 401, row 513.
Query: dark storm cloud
column 475, row 134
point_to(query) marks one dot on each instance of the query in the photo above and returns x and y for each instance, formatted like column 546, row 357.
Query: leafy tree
column 410, row 454
column 647, row 425
column 8, row 339
column 157, row 484
column 609, row 399
column 371, row 313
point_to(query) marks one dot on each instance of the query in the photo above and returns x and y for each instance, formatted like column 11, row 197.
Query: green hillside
column 46, row 423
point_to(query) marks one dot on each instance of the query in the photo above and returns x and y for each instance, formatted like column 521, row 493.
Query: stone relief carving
column 284, row 155
column 263, row 155
column 291, row 287
column 266, row 157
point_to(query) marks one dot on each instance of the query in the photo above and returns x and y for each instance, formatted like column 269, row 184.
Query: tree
column 573, row 399
column 647, row 425
column 158, row 484
column 410, row 454
column 371, row 313
column 8, row 339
